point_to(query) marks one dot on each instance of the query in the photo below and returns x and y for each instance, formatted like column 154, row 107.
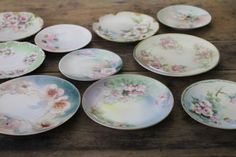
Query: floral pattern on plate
column 15, row 21
column 18, row 25
column 184, row 17
column 212, row 102
column 19, row 58
column 63, row 38
column 51, row 41
column 127, row 102
column 125, row 27
column 90, row 64
column 35, row 104
column 176, row 55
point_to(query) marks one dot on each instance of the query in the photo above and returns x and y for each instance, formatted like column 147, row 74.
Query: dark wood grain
column 177, row 135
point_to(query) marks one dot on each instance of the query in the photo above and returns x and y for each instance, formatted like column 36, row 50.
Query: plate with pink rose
column 18, row 25
column 63, row 38
column 35, row 104
column 90, row 64
column 127, row 102
column 211, row 102
column 176, row 55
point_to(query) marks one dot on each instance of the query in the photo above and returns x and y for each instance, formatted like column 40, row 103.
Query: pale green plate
column 127, row 102
column 19, row 58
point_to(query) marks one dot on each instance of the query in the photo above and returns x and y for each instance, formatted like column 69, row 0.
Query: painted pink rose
column 168, row 43
column 161, row 98
column 23, row 18
column 178, row 68
column 7, row 15
column 135, row 89
column 156, row 64
column 53, row 91
column 203, row 107
column 61, row 104
column 50, row 37
column 45, row 124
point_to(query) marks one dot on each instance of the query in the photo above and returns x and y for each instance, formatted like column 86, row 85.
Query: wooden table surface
column 177, row 135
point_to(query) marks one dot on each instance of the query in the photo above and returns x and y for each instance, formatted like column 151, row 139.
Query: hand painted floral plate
column 125, row 26
column 35, row 104
column 184, row 17
column 176, row 55
column 18, row 25
column 63, row 38
column 212, row 102
column 19, row 58
column 127, row 102
column 90, row 64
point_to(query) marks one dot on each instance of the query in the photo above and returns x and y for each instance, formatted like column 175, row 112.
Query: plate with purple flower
column 184, row 17
column 19, row 58
column 211, row 102
column 127, row 102
column 63, row 38
column 35, row 104
column 125, row 26
column 18, row 25
column 90, row 64
column 176, row 55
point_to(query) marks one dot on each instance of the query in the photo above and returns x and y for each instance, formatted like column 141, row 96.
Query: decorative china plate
column 176, row 55
column 18, row 25
column 184, row 17
column 35, row 104
column 19, row 58
column 90, row 64
column 127, row 102
column 63, row 38
column 126, row 26
column 212, row 102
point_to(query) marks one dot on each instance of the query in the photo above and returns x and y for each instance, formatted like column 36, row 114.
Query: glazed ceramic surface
column 212, row 102
column 35, row 104
column 18, row 25
column 63, row 38
column 127, row 102
column 19, row 58
column 125, row 26
column 176, row 55
column 184, row 17
column 90, row 64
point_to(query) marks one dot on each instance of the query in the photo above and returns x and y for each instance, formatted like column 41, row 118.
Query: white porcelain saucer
column 125, row 26
column 63, row 38
column 184, row 17
column 90, row 64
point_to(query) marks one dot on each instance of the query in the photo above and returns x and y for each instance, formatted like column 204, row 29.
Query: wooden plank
column 138, row 153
